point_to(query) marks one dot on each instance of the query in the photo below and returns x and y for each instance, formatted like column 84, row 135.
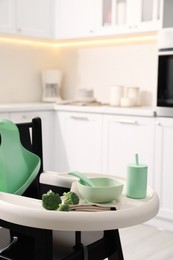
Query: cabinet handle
column 131, row 122
column 84, row 118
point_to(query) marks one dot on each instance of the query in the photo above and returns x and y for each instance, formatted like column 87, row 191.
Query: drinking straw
column 136, row 159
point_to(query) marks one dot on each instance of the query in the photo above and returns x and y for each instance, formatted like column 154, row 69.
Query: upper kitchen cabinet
column 74, row 18
column 7, row 16
column 167, row 17
column 26, row 18
column 34, row 18
column 127, row 16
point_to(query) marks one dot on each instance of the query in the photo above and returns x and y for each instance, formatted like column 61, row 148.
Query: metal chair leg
column 8, row 247
column 14, row 240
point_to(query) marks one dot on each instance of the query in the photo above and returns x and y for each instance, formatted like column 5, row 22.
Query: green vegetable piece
column 51, row 200
column 64, row 207
column 71, row 198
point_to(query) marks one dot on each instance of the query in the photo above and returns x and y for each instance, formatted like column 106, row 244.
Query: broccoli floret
column 71, row 198
column 64, row 207
column 51, row 200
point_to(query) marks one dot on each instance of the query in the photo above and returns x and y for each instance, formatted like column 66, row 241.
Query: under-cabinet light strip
column 115, row 41
column 24, row 41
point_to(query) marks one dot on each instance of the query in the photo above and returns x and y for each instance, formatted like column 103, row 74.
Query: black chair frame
column 31, row 139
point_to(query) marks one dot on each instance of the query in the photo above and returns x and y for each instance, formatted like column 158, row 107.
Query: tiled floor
column 144, row 242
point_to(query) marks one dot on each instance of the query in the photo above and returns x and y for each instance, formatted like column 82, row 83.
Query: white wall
column 100, row 67
column 20, row 68
column 94, row 67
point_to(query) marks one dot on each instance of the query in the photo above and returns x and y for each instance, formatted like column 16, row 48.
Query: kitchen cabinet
column 123, row 137
column 47, row 131
column 89, row 18
column 74, row 18
column 127, row 16
column 144, row 15
column 4, row 115
column 103, row 143
column 34, row 18
column 78, row 141
column 26, row 18
column 167, row 18
column 7, row 16
column 164, row 166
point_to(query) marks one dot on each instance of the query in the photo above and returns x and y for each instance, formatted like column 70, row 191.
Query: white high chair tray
column 29, row 212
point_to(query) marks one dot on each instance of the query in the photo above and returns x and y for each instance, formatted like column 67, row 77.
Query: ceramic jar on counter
column 124, row 97
column 133, row 94
column 131, row 97
column 116, row 93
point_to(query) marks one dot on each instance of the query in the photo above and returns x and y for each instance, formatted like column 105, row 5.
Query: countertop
column 88, row 108
column 17, row 107
column 105, row 109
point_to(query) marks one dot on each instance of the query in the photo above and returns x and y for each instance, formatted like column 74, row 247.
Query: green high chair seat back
column 18, row 166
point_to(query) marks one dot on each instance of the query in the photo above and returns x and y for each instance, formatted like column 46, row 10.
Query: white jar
column 127, row 102
column 133, row 93
column 116, row 93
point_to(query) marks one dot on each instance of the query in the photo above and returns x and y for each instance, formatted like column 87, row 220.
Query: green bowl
column 105, row 190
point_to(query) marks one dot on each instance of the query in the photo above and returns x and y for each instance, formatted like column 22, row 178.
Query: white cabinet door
column 78, row 142
column 7, row 16
column 111, row 17
column 33, row 17
column 127, row 16
column 164, row 166
column 74, row 18
column 26, row 18
column 146, row 15
column 124, row 137
column 4, row 115
column 47, row 132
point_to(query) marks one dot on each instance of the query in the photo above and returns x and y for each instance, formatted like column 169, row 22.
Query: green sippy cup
column 136, row 180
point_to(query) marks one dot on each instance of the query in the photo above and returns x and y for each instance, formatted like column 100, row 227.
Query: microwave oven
column 165, row 73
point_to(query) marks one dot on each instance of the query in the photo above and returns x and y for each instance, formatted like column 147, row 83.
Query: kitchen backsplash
column 21, row 64
column 95, row 68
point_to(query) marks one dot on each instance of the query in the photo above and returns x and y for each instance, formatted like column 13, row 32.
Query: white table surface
column 29, row 212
